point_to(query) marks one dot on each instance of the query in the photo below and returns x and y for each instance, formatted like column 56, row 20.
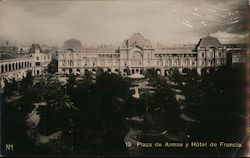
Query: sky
column 168, row 22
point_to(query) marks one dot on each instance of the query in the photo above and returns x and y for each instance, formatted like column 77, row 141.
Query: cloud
column 96, row 22
column 226, row 37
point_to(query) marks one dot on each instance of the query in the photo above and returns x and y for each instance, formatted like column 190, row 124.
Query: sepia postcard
column 123, row 78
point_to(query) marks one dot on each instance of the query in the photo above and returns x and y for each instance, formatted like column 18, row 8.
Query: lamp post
column 71, row 133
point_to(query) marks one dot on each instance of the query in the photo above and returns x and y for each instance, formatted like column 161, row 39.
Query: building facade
column 13, row 66
column 40, row 60
column 137, row 55
column 236, row 55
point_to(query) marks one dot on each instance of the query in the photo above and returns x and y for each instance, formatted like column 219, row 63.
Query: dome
column 208, row 42
column 137, row 40
column 72, row 44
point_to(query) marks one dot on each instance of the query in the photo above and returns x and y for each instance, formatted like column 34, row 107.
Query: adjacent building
column 41, row 60
column 236, row 55
column 17, row 66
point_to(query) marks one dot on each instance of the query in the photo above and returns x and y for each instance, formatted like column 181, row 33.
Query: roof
column 174, row 50
column 100, row 50
column 136, row 40
column 72, row 44
column 6, row 56
column 34, row 47
column 208, row 42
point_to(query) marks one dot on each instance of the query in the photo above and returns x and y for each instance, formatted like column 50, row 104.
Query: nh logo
column 9, row 147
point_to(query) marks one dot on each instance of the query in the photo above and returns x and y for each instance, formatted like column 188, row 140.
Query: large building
column 137, row 54
column 17, row 66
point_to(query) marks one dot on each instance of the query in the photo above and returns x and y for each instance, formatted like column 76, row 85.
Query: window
column 44, row 57
column 37, row 58
column 202, row 54
column 158, row 63
column 184, row 63
column 175, row 63
column 193, row 63
column 38, row 64
column 140, row 63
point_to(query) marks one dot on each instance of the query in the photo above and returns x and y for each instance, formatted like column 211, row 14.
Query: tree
column 176, row 77
column 87, row 78
column 26, row 83
column 164, row 100
column 218, row 97
column 71, row 82
column 100, row 121
column 8, row 89
column 53, row 66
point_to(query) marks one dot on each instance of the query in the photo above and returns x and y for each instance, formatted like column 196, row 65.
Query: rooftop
column 72, row 44
column 5, row 56
column 208, row 42
column 34, row 47
column 100, row 50
column 136, row 40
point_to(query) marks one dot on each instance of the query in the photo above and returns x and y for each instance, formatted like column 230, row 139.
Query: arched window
column 16, row 66
column 202, row 54
column 22, row 64
column 6, row 68
column 133, row 71
column 2, row 69
column 13, row 66
column 19, row 64
column 9, row 67
column 25, row 64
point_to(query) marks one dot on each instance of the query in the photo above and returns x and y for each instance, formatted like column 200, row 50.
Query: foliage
column 27, row 82
column 99, row 117
column 53, row 67
column 91, row 112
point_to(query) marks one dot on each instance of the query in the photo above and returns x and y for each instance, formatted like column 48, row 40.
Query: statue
column 136, row 95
